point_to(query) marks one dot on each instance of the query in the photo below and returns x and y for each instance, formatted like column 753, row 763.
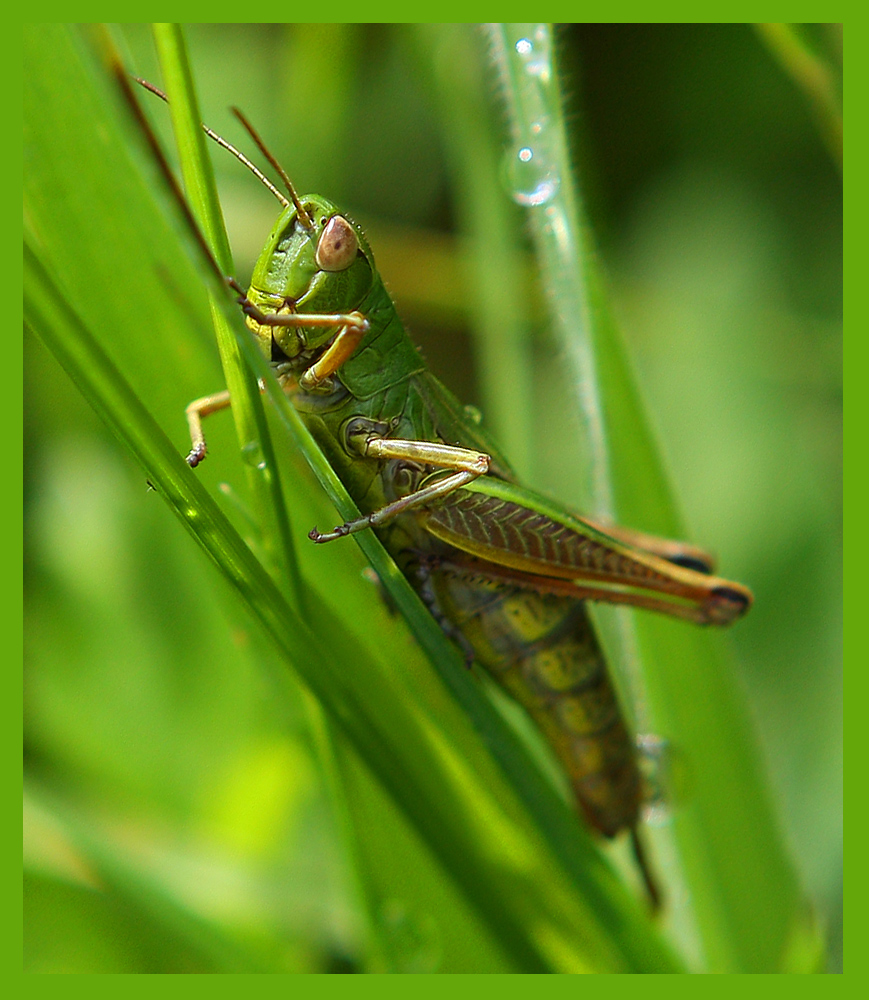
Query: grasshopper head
column 316, row 262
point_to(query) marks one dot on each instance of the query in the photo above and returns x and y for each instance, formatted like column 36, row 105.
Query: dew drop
column 252, row 454
column 531, row 179
column 535, row 54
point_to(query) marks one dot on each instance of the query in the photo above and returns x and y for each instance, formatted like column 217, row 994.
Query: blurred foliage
column 719, row 211
column 717, row 208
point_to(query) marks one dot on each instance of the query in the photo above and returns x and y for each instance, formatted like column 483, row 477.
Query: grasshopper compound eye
column 336, row 249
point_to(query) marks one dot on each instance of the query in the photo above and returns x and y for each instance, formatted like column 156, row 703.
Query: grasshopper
column 505, row 571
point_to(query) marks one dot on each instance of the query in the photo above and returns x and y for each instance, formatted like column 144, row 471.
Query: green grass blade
column 51, row 316
column 745, row 904
column 251, row 427
column 819, row 78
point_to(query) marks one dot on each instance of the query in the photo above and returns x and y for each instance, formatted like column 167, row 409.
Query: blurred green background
column 716, row 204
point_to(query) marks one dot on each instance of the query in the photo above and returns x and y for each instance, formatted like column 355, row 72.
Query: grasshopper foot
column 197, row 454
column 329, row 536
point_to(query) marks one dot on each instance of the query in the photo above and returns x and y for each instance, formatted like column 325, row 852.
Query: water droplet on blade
column 531, row 179
column 534, row 53
column 252, row 454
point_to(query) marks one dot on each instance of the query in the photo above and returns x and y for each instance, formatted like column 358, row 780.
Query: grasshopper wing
column 512, row 534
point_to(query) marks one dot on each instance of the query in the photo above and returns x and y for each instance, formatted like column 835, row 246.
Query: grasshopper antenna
column 261, row 177
column 303, row 214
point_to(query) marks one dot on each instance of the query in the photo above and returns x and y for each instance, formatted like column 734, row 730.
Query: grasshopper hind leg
column 424, row 571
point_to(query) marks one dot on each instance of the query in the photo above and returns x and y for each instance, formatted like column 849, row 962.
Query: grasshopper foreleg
column 355, row 320
column 342, row 348
column 351, row 329
column 198, row 409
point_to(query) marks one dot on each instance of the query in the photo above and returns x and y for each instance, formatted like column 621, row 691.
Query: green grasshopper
column 504, row 571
